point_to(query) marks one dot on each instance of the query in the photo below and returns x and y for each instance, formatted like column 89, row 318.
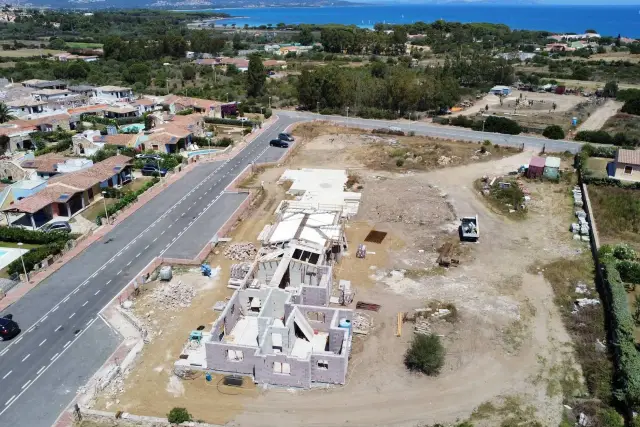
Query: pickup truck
column 469, row 229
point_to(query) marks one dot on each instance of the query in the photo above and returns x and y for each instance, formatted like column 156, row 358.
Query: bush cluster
column 425, row 355
column 233, row 122
column 128, row 198
column 603, row 137
column 491, row 124
column 553, row 132
column 34, row 256
column 52, row 244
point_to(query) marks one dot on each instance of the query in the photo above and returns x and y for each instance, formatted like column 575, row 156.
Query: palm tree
column 5, row 113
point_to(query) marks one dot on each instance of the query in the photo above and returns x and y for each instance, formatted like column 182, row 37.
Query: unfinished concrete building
column 265, row 334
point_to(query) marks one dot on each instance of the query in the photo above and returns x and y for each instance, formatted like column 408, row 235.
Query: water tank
column 345, row 323
column 166, row 273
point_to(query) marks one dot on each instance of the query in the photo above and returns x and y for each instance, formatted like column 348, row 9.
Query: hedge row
column 233, row 122
column 35, row 256
column 491, row 124
column 603, row 137
column 106, row 121
column 127, row 199
column 16, row 235
column 627, row 379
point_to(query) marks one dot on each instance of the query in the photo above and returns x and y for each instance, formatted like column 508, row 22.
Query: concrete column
column 33, row 222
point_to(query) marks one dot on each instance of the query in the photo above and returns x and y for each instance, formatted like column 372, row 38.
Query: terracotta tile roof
column 121, row 110
column 87, row 178
column 49, row 120
column 51, row 194
column 88, row 109
column 120, row 140
column 46, row 163
column 16, row 126
column 630, row 157
column 189, row 102
column 537, row 162
column 144, row 101
column 163, row 138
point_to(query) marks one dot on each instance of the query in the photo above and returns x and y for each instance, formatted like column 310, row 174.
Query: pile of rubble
column 241, row 251
column 361, row 323
column 173, row 295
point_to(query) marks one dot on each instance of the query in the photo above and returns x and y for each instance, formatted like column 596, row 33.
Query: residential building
column 559, row 47
column 51, row 94
column 180, row 103
column 67, row 56
column 520, row 56
column 44, row 84
column 83, row 144
column 49, row 165
column 85, row 90
column 121, row 140
column 67, row 194
column 27, row 106
column 121, row 112
column 145, row 105
column 114, row 93
column 627, row 165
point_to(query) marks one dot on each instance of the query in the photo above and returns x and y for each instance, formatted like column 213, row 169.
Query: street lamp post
column 269, row 102
column 104, row 200
column 483, row 124
column 318, row 107
column 347, row 116
column 227, row 96
column 159, row 171
column 26, row 275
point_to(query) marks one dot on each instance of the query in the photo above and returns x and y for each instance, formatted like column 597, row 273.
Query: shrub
column 15, row 235
column 595, row 136
column 631, row 107
column 178, row 415
column 399, row 162
column 610, row 418
column 625, row 95
column 268, row 113
column 224, row 142
column 127, row 199
column 461, row 121
column 186, row 112
column 426, row 354
column 553, row 132
column 502, row 125
column 34, row 256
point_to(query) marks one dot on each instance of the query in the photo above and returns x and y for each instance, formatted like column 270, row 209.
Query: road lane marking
column 43, row 341
column 55, row 308
column 58, row 328
column 55, row 355
column 66, row 344
column 26, row 384
column 97, row 292
column 10, row 400
column 40, row 370
column 76, row 291
column 18, row 340
column 85, row 303
column 118, row 273
column 66, row 299
column 129, row 263
column 146, row 247
column 109, row 281
column 154, row 240
column 137, row 256
column 44, row 318
column 3, row 352
column 72, row 315
column 26, row 357
column 7, row 374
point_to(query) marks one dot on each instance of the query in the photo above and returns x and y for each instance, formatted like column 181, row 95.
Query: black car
column 152, row 170
column 8, row 328
column 286, row 137
column 279, row 143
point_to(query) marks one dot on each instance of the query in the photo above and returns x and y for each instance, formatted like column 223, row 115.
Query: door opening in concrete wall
column 316, row 316
column 281, row 368
column 323, row 364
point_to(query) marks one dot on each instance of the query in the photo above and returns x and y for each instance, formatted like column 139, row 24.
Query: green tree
column 138, row 72
column 610, row 89
column 56, row 43
column 256, row 77
column 629, row 107
column 178, row 416
column 5, row 113
column 188, row 72
column 76, row 70
column 553, row 132
column 425, row 355
column 305, row 36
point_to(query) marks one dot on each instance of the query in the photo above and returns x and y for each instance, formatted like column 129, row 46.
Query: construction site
column 304, row 312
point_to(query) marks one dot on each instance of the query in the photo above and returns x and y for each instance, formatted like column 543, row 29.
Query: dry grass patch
column 617, row 214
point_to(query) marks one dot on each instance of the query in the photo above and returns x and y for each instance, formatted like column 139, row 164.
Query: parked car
column 151, row 170
column 279, row 143
column 8, row 328
column 286, row 137
column 243, row 119
column 148, row 156
column 57, row 226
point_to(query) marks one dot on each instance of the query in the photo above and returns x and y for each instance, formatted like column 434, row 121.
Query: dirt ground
column 507, row 344
column 542, row 103
column 599, row 117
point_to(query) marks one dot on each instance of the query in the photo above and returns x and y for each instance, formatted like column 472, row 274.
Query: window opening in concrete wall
column 628, row 170
column 316, row 316
column 235, row 355
column 323, row 364
column 281, row 368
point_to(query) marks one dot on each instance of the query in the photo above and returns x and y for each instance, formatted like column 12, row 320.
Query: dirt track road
column 598, row 118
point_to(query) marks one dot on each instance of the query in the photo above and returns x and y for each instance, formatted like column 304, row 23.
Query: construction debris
column 219, row 305
column 360, row 305
column 422, row 326
column 240, row 271
column 173, row 296
column 361, row 252
column 361, row 323
column 241, row 251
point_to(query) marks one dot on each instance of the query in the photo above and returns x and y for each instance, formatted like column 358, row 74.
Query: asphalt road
column 428, row 129
column 59, row 318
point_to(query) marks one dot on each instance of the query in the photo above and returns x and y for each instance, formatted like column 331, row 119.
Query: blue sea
column 607, row 20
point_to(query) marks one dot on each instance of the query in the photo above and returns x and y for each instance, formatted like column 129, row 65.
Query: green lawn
column 79, row 45
column 92, row 212
column 25, row 53
column 617, row 214
column 598, row 166
column 15, row 245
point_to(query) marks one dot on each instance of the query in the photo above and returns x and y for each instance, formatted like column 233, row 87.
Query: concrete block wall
column 314, row 295
column 335, row 373
column 274, row 305
column 216, row 353
column 300, row 371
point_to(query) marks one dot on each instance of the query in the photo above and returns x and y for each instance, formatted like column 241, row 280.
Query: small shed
column 536, row 167
column 552, row 168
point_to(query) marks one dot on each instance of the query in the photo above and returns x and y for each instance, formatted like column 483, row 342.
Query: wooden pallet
column 360, row 305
